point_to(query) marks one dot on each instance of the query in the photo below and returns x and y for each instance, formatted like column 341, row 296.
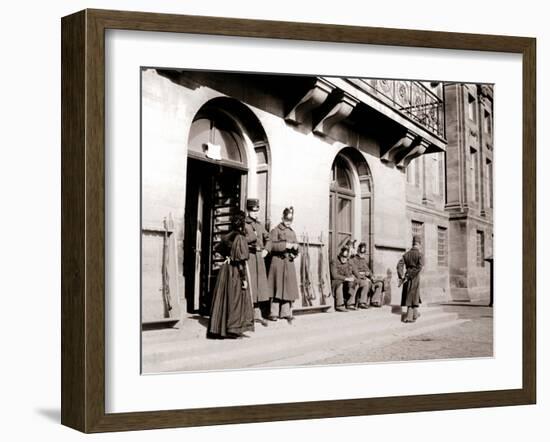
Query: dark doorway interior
column 213, row 194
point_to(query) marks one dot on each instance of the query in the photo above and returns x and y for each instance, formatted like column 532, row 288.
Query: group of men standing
column 243, row 286
column 353, row 284
column 279, row 286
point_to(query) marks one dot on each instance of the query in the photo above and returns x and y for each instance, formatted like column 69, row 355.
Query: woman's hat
column 288, row 214
column 237, row 220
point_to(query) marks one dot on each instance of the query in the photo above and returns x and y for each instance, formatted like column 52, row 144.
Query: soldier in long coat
column 282, row 279
column 408, row 271
column 258, row 246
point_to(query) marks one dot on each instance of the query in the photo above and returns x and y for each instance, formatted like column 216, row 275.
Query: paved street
column 469, row 339
column 443, row 331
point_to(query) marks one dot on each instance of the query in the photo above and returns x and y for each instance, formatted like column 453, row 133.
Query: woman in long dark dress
column 232, row 312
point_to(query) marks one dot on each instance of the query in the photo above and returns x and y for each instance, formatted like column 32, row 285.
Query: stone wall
column 300, row 171
column 469, row 187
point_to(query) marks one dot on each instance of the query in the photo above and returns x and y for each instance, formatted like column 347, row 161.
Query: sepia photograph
column 307, row 220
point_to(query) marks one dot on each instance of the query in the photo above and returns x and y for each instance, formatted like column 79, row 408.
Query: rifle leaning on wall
column 308, row 293
column 309, row 286
column 322, row 268
column 167, row 299
column 303, row 271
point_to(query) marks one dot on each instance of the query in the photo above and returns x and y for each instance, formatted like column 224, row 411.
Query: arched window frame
column 246, row 130
column 341, row 164
column 218, row 118
column 361, row 194
column 338, row 194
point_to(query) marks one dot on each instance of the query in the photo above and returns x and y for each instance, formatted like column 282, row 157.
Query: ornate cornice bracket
column 338, row 112
column 311, row 100
column 400, row 148
column 418, row 150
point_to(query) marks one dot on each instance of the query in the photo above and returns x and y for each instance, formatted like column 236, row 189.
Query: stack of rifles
column 309, row 292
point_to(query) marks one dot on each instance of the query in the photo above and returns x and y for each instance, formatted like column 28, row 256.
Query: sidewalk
column 324, row 338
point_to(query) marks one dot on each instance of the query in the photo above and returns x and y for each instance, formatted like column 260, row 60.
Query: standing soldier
column 343, row 282
column 408, row 271
column 282, row 279
column 257, row 238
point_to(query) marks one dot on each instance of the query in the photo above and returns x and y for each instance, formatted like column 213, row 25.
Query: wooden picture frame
column 83, row 220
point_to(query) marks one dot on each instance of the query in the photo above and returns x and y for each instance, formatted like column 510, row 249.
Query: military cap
column 344, row 252
column 253, row 204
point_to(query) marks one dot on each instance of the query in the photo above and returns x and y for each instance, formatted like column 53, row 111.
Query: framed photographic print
column 267, row 221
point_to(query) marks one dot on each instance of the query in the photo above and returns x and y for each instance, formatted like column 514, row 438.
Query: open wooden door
column 214, row 194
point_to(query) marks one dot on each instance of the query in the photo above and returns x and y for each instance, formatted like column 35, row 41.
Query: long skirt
column 232, row 312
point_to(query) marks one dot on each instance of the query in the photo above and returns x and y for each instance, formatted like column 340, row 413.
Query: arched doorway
column 222, row 154
column 350, row 201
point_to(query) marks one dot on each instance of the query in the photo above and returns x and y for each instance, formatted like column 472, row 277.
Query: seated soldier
column 363, row 275
column 375, row 296
column 369, row 289
column 343, row 282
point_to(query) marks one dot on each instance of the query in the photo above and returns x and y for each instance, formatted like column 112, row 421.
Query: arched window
column 342, row 196
column 219, row 131
column 350, row 211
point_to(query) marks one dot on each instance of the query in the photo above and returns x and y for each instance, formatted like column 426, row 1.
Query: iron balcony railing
column 414, row 99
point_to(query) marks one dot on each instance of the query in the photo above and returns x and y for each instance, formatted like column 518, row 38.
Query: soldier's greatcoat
column 339, row 271
column 258, row 240
column 282, row 279
column 361, row 268
column 409, row 267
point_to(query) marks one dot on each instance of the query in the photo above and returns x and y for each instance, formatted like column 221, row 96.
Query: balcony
column 420, row 102
column 411, row 113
